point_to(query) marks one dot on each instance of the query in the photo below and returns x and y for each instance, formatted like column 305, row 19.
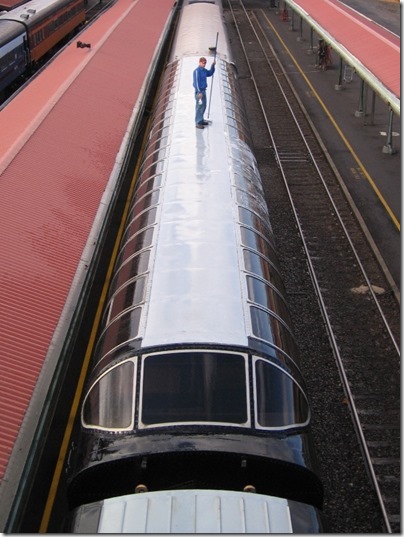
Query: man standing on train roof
column 200, row 84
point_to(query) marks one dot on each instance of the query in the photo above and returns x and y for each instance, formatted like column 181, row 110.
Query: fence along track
column 363, row 326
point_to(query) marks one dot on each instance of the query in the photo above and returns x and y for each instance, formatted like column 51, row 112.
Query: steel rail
column 337, row 355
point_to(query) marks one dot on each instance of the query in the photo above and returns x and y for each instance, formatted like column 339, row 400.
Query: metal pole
column 359, row 112
column 292, row 21
column 339, row 85
column 365, row 104
column 211, row 86
column 311, row 40
column 372, row 118
column 300, row 38
column 388, row 148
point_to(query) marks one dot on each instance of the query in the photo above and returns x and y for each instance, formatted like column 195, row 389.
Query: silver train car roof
column 201, row 27
column 194, row 300
column 197, row 293
column 186, row 511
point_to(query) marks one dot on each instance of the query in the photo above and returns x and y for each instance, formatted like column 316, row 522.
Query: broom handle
column 211, row 86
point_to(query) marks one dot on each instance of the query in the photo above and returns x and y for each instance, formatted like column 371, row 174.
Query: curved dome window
column 129, row 295
column 267, row 327
column 257, row 242
column 280, row 402
column 135, row 265
column 263, row 294
column 194, row 387
column 262, row 267
column 121, row 330
column 110, row 402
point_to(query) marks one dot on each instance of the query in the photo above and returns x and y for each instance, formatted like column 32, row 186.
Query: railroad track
column 358, row 305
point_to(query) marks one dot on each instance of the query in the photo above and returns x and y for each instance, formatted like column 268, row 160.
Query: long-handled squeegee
column 214, row 59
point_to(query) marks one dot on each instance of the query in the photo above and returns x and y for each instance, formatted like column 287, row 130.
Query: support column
column 338, row 86
column 388, row 148
column 300, row 38
column 359, row 112
column 372, row 114
column 365, row 103
column 292, row 21
column 311, row 49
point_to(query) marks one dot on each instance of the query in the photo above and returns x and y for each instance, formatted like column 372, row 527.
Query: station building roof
column 372, row 50
column 62, row 145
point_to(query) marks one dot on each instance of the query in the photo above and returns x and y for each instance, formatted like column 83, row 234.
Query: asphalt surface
column 372, row 177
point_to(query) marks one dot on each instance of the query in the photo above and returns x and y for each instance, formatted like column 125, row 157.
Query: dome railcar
column 195, row 396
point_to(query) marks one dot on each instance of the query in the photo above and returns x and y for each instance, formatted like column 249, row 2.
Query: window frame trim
column 255, row 359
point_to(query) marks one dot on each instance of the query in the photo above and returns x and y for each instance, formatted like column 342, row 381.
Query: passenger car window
column 110, row 401
column 263, row 294
column 280, row 402
column 194, row 387
column 262, row 267
column 130, row 295
column 120, row 331
column 135, row 265
column 141, row 221
column 138, row 242
column 253, row 220
column 267, row 327
column 258, row 243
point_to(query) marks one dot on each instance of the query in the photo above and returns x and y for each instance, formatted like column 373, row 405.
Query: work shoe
column 199, row 126
column 205, row 122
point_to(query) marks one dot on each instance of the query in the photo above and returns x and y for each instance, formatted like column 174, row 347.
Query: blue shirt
column 199, row 77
